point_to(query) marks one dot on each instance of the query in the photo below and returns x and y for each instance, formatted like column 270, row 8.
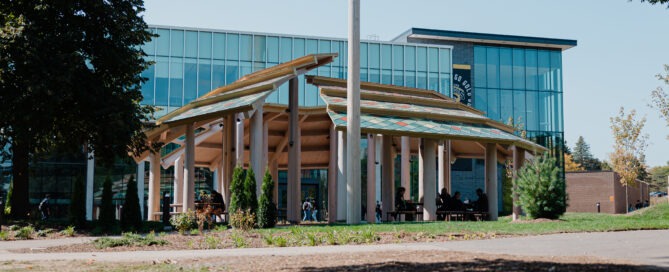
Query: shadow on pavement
column 486, row 265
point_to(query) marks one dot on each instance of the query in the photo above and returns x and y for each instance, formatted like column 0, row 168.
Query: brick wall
column 585, row 189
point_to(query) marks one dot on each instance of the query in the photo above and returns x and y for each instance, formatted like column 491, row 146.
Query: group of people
column 310, row 210
column 447, row 203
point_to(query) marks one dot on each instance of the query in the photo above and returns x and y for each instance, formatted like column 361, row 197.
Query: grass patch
column 129, row 239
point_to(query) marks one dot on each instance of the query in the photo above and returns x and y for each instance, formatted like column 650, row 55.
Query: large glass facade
column 190, row 63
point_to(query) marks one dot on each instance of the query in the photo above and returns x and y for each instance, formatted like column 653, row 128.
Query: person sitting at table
column 481, row 204
column 402, row 205
column 456, row 203
column 444, row 199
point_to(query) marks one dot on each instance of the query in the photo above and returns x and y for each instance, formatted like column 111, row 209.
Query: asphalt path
column 640, row 247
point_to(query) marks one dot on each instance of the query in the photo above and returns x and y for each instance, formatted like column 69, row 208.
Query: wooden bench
column 396, row 214
column 158, row 215
column 464, row 215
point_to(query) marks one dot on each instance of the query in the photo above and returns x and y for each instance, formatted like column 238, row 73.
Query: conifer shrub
column 77, row 211
column 237, row 190
column 541, row 192
column 107, row 218
column 131, row 218
column 251, row 198
column 266, row 206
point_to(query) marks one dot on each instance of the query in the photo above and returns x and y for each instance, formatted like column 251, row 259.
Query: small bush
column 266, row 206
column 243, row 220
column 77, row 212
column 312, row 239
column 184, row 222
column 131, row 218
column 331, row 237
column 239, row 240
column 195, row 232
column 129, row 239
column 106, row 242
column 280, row 241
column 269, row 240
column 541, row 192
column 107, row 218
column 212, row 241
column 14, row 227
column 69, row 231
column 369, row 235
column 25, row 233
column 4, row 235
column 43, row 233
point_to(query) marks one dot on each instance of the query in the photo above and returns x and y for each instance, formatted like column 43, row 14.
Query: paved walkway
column 641, row 247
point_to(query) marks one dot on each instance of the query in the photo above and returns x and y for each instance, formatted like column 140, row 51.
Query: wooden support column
column 427, row 189
column 377, row 164
column 228, row 155
column 518, row 161
column 294, row 159
column 491, row 179
column 341, row 176
column 90, row 181
column 371, row 179
column 353, row 176
column 444, row 165
column 154, row 186
column 405, row 164
column 332, row 177
column 178, row 182
column 140, row 188
column 189, row 170
column 256, row 161
column 388, row 175
column 239, row 140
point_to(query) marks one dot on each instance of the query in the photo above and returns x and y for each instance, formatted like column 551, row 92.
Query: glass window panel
column 493, row 104
column 312, row 47
column 259, row 48
column 433, row 82
column 398, row 78
column 374, row 75
column 410, row 58
column 191, row 44
column 492, row 67
column 273, row 49
column 219, row 46
column 147, row 86
column 204, row 77
column 163, row 42
column 519, row 108
column 531, row 69
column 506, row 105
column 398, row 57
column 421, row 81
column 232, row 47
column 324, row 71
column 176, row 82
column 245, row 47
column 545, row 110
column 205, row 45
column 421, row 59
column 283, row 94
column 298, row 48
column 336, row 49
column 480, row 99
column 190, row 80
column 374, row 55
column 556, row 71
column 231, row 71
column 364, row 76
column 286, row 50
column 386, row 77
column 518, row 68
column 177, row 43
column 245, row 68
column 410, row 79
column 162, row 80
column 149, row 47
column 532, row 111
column 543, row 75
column 433, row 59
column 557, row 118
column 445, row 85
column 218, row 74
column 505, row 64
column 480, row 71
column 363, row 56
column 324, row 46
column 444, row 60
column 386, row 56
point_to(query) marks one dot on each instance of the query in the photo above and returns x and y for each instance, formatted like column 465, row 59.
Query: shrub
column 266, row 207
column 107, row 217
column 4, row 235
column 212, row 241
column 250, row 196
column 280, row 241
column 184, row 222
column 242, row 220
column 131, row 218
column 8, row 202
column 129, row 239
column 77, row 215
column 237, row 190
column 239, row 240
column 25, row 233
column 69, row 231
column 540, row 192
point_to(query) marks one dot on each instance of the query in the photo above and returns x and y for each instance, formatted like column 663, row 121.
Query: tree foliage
column 658, row 177
column 237, row 190
column 107, row 217
column 70, row 77
column 653, row 2
column 251, row 198
column 582, row 156
column 660, row 99
column 629, row 146
column 266, row 206
column 541, row 193
column 131, row 218
column 570, row 165
column 77, row 212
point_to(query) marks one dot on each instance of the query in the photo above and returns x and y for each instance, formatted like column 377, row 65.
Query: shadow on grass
column 486, row 265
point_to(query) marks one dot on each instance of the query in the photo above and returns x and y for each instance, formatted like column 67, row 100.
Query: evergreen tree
column 541, row 192
column 131, row 218
column 266, row 206
column 237, row 190
column 77, row 215
column 107, row 217
column 251, row 198
column 582, row 156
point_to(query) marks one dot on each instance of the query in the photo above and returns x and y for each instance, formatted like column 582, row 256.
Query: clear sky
column 621, row 45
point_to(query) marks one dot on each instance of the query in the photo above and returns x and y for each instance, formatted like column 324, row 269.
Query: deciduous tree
column 628, row 148
column 660, row 99
column 70, row 77
column 570, row 165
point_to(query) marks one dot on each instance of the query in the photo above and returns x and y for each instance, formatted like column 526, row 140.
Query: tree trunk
column 20, row 198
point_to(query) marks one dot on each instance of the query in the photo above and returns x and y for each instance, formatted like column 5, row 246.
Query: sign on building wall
column 462, row 83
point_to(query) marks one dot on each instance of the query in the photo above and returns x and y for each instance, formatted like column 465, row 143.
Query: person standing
column 44, row 208
column 306, row 207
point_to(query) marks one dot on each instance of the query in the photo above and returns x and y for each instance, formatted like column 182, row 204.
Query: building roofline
column 486, row 38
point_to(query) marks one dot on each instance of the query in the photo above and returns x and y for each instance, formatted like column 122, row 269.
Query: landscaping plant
column 266, row 206
column 107, row 217
column 250, row 196
column 131, row 218
column 237, row 190
column 541, row 192
column 77, row 215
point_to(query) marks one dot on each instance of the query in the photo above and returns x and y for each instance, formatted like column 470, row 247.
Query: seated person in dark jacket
column 481, row 204
column 456, row 203
column 403, row 205
column 217, row 200
column 443, row 200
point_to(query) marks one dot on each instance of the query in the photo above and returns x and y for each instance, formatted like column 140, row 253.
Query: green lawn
column 655, row 217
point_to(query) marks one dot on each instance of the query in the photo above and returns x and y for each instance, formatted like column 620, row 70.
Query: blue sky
column 621, row 45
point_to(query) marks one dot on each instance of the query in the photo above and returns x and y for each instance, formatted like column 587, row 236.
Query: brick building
column 585, row 189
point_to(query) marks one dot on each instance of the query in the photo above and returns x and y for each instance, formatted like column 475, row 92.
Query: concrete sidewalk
column 641, row 247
